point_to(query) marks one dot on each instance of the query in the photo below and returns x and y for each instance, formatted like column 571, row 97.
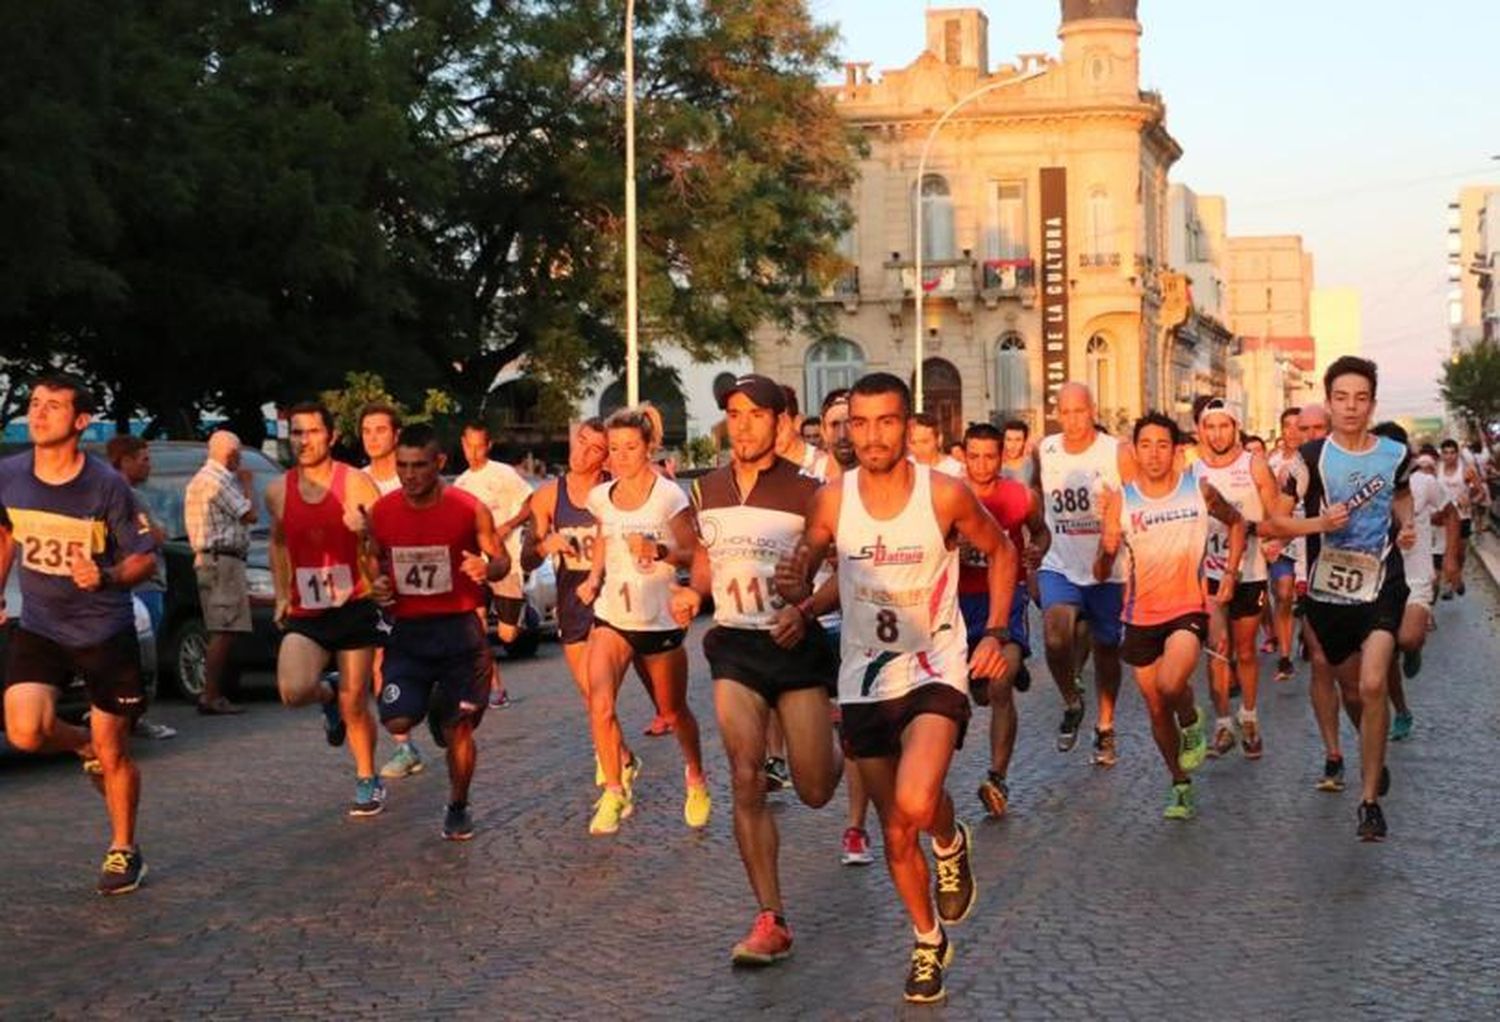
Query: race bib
column 47, row 543
column 325, row 587
column 891, row 622
column 1346, row 576
column 1216, row 559
column 638, row 601
column 579, row 556
column 745, row 594
column 422, row 570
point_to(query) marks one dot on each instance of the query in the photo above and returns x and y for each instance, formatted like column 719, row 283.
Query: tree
column 1471, row 386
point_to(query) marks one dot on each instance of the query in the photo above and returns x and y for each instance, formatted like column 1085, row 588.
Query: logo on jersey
column 390, row 694
column 879, row 555
column 1142, row 521
column 1365, row 493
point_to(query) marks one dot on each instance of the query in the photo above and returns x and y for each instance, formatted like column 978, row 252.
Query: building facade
column 1473, row 247
column 1044, row 208
column 1202, row 346
column 1335, row 324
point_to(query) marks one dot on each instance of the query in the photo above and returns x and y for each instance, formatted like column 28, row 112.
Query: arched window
column 937, row 218
column 1012, row 377
column 1101, row 223
column 1101, row 372
column 831, row 365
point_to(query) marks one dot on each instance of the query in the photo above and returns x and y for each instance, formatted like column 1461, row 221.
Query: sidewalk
column 1487, row 546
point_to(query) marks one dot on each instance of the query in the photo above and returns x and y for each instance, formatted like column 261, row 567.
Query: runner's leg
column 299, row 671
column 667, row 673
column 462, row 755
column 32, row 724
column 608, row 657
column 1375, row 658
column 743, row 718
column 356, row 667
column 110, row 734
column 1004, row 718
column 812, row 753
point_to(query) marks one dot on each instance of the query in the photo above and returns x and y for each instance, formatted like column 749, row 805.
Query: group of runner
column 867, row 590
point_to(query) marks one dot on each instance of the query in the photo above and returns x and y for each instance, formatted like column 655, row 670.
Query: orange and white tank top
column 1162, row 540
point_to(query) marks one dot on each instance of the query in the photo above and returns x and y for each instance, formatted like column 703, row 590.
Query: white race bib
column 745, row 590
column 1346, row 576
column 422, row 570
column 325, row 587
column 882, row 622
column 639, row 600
column 579, row 556
column 47, row 543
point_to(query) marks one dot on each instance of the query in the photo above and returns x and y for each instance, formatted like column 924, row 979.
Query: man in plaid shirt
column 218, row 509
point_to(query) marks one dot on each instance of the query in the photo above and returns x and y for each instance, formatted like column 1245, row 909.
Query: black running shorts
column 1249, row 598
column 754, row 660
column 1342, row 628
column 1144, row 644
column 647, row 643
column 111, row 670
column 358, row 624
column 874, row 730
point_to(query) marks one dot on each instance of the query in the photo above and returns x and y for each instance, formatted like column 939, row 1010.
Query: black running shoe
column 1067, row 734
column 778, row 778
column 1285, row 669
column 1384, row 788
column 954, row 880
column 123, row 871
column 924, row 982
column 458, row 825
column 334, row 728
column 1023, row 679
column 1371, row 822
column 1333, row 776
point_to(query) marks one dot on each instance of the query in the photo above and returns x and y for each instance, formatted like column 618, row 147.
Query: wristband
column 999, row 634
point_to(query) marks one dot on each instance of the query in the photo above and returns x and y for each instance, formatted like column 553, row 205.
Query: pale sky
column 1350, row 122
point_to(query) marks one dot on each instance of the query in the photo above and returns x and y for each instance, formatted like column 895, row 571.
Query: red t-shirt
column 1010, row 502
column 422, row 548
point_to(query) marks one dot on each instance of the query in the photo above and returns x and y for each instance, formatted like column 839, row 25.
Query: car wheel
column 190, row 657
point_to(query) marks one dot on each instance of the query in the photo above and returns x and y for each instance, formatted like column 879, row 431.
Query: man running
column 1356, row 588
column 436, row 550
column 318, row 562
column 904, row 673
column 768, row 659
column 1161, row 520
column 1242, row 478
column 1428, row 499
column 1462, row 484
column 1017, row 510
column 1072, row 469
column 71, row 524
column 1015, row 461
column 927, row 446
column 1281, row 570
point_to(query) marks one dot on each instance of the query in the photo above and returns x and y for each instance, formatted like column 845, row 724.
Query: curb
column 1487, row 546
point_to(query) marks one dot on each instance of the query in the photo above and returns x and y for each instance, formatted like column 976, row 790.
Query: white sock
column 1223, row 722
column 947, row 850
column 1247, row 716
column 932, row 939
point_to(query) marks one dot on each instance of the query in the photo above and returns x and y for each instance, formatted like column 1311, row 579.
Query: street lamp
column 632, row 339
column 917, row 345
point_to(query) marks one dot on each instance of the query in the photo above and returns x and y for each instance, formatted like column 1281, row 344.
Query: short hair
column 832, row 398
column 1350, row 365
column 1250, row 438
column 1449, row 444
column 593, row 424
column 118, row 448
column 1161, row 419
column 83, row 397
column 633, row 418
column 1017, row 424
column 1293, row 412
column 982, row 431
column 317, row 408
column 385, row 408
column 929, row 420
column 476, row 426
column 876, row 384
column 1391, row 431
column 1428, row 449
column 791, row 400
column 418, row 434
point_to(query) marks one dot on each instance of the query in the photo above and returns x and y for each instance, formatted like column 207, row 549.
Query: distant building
column 1270, row 304
column 1335, row 324
column 1200, row 356
column 1473, row 258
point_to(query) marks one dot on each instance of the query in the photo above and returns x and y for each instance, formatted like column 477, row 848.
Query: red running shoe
column 657, row 727
column 857, row 848
column 768, row 942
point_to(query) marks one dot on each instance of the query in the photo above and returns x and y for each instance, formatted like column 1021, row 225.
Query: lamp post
column 632, row 339
column 917, row 345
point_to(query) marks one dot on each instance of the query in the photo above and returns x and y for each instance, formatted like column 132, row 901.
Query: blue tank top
column 1350, row 566
column 579, row 527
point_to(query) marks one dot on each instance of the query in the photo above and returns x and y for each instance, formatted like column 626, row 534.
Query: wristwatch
column 999, row 634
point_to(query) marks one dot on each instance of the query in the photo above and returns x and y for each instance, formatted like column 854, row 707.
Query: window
column 1101, row 373
column 1012, row 377
column 1100, row 226
column 953, row 42
column 1007, row 235
column 831, row 365
column 937, row 218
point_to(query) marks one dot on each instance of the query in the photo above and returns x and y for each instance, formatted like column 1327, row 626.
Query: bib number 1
column 321, row 588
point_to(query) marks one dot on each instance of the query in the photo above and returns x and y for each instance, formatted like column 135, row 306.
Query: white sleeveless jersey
column 817, row 468
column 898, row 586
column 1236, row 482
column 384, row 486
column 633, row 598
column 1071, row 485
column 1457, row 488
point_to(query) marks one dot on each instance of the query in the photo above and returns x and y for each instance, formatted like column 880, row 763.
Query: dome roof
column 1082, row 10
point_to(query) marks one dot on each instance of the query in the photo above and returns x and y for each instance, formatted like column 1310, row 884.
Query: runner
column 1016, row 509
column 323, row 593
column 70, row 522
column 1428, row 499
column 1281, row 571
column 904, row 675
column 927, row 446
column 837, row 454
column 1016, row 462
column 769, row 660
column 790, row 443
column 1072, row 468
column 1462, row 483
column 644, row 531
column 1356, row 584
column 437, row 547
column 1162, row 521
column 1244, row 479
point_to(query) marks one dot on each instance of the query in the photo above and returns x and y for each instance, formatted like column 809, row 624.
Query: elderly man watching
column 219, row 509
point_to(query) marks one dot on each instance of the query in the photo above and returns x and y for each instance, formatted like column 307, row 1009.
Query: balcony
column 941, row 278
column 1099, row 260
column 1008, row 278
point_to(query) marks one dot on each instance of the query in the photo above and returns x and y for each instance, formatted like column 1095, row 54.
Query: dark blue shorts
column 574, row 617
column 975, row 608
column 448, row 651
column 1282, row 567
column 1100, row 604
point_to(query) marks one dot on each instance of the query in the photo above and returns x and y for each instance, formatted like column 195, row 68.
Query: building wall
column 1466, row 244
column 1270, row 286
column 1335, row 324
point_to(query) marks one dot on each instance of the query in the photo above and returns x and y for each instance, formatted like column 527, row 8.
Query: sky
column 1350, row 122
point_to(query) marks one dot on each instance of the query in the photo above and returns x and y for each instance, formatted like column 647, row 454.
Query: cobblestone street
column 265, row 900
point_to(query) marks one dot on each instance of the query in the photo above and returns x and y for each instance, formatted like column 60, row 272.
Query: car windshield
column 165, row 493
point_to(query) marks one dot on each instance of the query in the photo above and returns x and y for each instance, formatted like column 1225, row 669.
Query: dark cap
column 764, row 391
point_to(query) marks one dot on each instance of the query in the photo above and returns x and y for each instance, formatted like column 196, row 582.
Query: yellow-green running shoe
column 1181, row 804
column 612, row 807
column 696, row 809
column 1194, row 749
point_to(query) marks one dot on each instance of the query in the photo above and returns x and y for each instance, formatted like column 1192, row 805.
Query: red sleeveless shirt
column 324, row 551
column 1009, row 501
column 422, row 549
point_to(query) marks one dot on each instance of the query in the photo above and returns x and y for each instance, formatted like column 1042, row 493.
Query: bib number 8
column 887, row 627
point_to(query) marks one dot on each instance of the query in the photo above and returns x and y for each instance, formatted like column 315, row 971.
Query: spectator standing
column 218, row 510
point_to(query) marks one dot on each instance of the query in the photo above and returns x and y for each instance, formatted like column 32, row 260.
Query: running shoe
column 458, row 825
column 1192, row 748
column 499, row 700
column 697, row 805
column 1105, row 753
column 369, row 797
column 1285, row 669
column 1067, row 733
column 778, row 778
column 612, row 807
column 1411, row 663
column 1371, row 822
column 768, row 942
column 123, row 871
column 334, row 728
column 994, row 794
column 1268, row 646
column 657, row 727
column 924, row 981
column 1250, row 740
column 956, row 889
column 1401, row 727
column 404, row 762
column 856, row 847
column 150, row 729
column 1223, row 742
column 1333, row 775
column 1181, row 803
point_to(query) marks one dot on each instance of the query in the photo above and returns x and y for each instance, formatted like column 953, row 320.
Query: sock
column 463, row 804
column 1247, row 716
column 1223, row 722
column 945, row 851
column 932, row 938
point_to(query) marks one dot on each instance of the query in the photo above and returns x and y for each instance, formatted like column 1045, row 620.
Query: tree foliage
column 1471, row 386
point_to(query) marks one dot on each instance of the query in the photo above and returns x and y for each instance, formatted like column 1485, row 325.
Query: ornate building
column 1045, row 226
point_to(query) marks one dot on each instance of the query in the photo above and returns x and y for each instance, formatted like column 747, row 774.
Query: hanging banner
column 1054, row 208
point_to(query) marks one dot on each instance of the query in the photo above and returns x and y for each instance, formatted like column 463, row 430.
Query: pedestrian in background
column 219, row 508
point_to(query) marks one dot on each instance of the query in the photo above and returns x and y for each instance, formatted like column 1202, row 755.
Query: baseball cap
column 762, row 390
column 1220, row 406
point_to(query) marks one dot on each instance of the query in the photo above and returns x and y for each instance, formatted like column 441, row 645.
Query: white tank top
column 631, row 597
column 1236, row 482
column 1071, row 485
column 1457, row 487
column 898, row 586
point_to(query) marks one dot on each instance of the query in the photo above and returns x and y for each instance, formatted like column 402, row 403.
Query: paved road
column 265, row 901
